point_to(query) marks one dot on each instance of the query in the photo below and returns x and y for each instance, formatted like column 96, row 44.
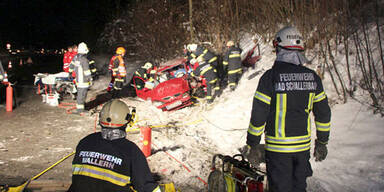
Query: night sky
column 54, row 23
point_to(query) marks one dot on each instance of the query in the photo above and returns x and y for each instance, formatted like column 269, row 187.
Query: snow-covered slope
column 184, row 141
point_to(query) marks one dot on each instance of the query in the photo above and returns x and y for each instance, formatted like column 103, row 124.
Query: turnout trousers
column 212, row 83
column 288, row 172
column 233, row 79
column 81, row 96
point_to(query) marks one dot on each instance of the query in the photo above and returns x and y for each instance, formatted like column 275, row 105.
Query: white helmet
column 230, row 43
column 82, row 49
column 192, row 47
column 289, row 38
column 148, row 65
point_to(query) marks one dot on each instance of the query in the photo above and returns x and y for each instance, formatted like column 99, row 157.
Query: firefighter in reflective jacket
column 117, row 66
column 142, row 75
column 232, row 64
column 92, row 67
column 80, row 66
column 284, row 99
column 207, row 69
column 107, row 161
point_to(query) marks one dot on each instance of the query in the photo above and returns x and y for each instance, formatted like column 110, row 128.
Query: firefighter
column 143, row 74
column 67, row 59
column 92, row 67
column 286, row 95
column 118, row 71
column 206, row 69
column 232, row 64
column 107, row 161
column 83, row 78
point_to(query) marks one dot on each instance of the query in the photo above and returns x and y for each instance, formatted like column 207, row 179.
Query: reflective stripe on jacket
column 118, row 66
column 284, row 99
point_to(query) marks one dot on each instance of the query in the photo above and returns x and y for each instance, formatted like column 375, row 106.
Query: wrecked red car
column 174, row 87
column 172, row 91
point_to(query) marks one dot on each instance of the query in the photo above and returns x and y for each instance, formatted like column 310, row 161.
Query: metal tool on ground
column 235, row 175
column 21, row 188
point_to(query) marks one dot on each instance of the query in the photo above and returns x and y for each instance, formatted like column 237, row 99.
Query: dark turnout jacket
column 103, row 165
column 284, row 99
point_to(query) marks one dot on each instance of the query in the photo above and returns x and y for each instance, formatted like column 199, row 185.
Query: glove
column 118, row 85
column 255, row 155
column 321, row 150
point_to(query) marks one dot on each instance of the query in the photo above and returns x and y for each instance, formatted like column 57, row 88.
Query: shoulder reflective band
column 225, row 62
column 100, row 173
column 256, row 131
column 262, row 97
column 323, row 126
column 319, row 97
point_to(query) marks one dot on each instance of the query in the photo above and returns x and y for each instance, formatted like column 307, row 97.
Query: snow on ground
column 193, row 135
column 185, row 141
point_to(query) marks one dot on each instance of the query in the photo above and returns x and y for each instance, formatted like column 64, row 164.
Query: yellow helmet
column 120, row 50
column 115, row 114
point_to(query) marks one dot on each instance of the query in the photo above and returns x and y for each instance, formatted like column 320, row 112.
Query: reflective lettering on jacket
column 104, row 165
column 284, row 99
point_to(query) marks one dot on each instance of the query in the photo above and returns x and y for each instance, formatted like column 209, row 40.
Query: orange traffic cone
column 8, row 105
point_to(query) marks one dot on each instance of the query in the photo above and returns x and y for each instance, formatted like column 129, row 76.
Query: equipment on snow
column 235, row 176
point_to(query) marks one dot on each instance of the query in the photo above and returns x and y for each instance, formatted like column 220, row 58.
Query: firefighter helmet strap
column 112, row 134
